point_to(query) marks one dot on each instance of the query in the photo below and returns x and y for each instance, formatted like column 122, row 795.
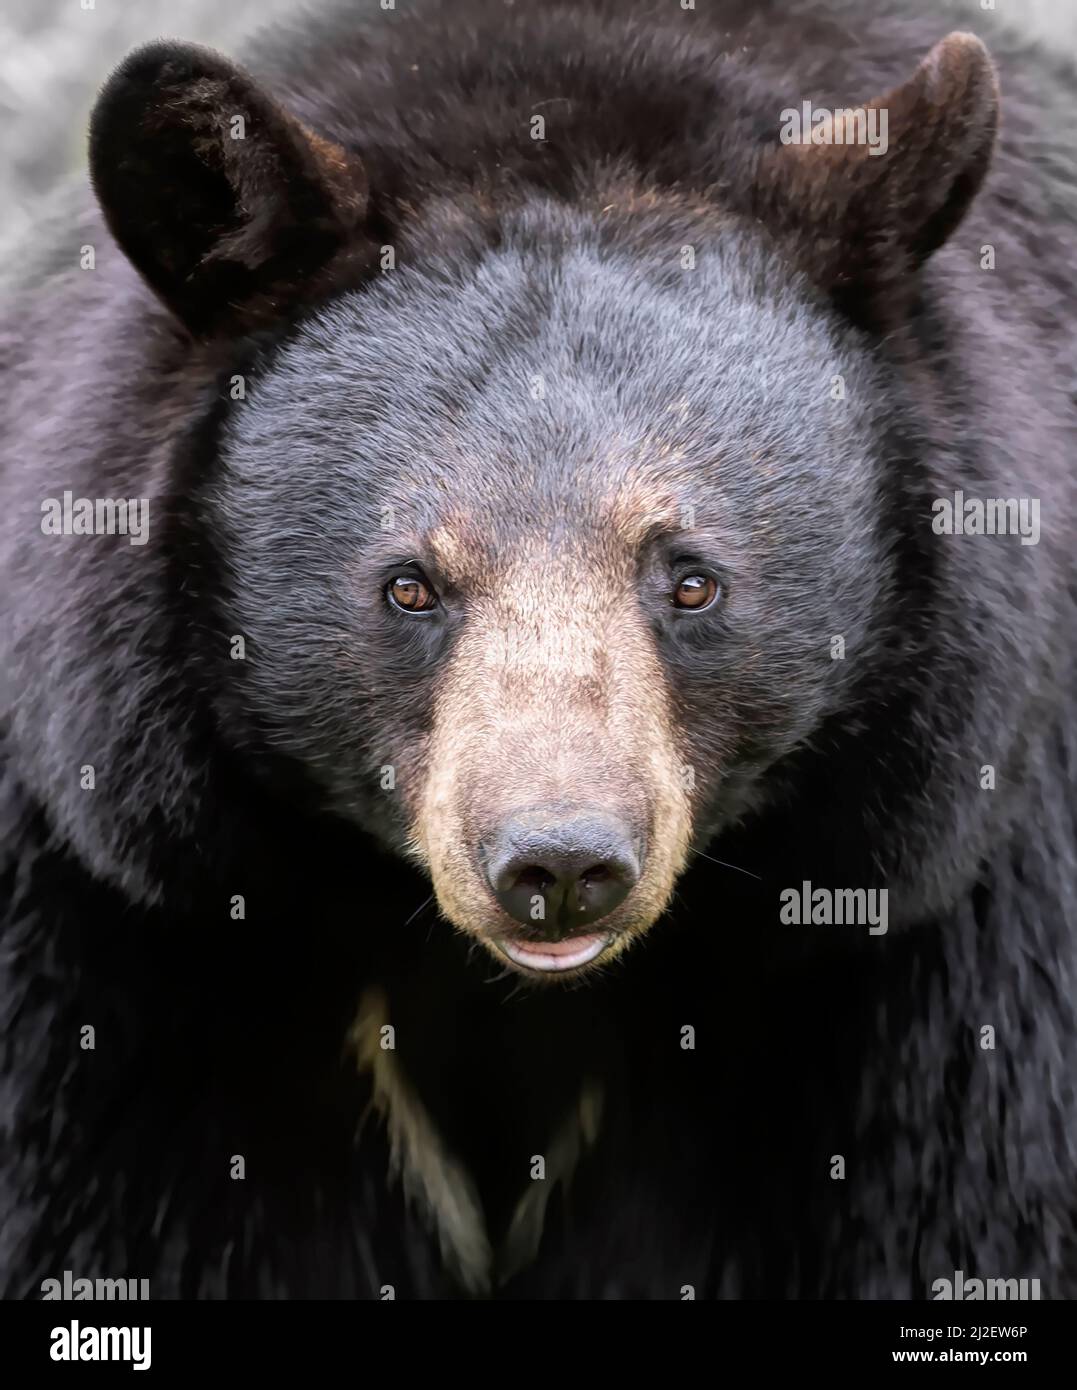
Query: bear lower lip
column 553, row 956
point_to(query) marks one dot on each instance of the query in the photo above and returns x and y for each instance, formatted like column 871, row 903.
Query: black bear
column 548, row 454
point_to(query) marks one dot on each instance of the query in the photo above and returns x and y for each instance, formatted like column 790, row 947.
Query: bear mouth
column 554, row 957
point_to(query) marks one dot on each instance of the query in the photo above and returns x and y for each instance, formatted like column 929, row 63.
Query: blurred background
column 54, row 54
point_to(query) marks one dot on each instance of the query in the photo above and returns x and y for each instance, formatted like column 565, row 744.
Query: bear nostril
column 535, row 877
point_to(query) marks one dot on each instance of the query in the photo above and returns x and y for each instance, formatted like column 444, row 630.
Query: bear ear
column 225, row 203
column 879, row 206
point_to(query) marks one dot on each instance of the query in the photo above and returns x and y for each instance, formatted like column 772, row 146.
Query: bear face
column 594, row 493
column 518, row 531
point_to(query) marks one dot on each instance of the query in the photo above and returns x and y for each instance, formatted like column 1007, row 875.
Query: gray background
column 54, row 55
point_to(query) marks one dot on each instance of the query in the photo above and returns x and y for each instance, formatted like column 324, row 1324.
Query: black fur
column 557, row 257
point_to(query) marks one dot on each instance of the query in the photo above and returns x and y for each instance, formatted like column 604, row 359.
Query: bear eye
column 411, row 594
column 695, row 591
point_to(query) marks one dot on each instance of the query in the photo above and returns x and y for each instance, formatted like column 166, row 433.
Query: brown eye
column 695, row 591
column 411, row 594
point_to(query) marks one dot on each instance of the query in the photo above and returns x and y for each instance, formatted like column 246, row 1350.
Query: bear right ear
column 225, row 203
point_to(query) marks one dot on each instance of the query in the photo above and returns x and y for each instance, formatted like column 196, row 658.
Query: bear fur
column 699, row 1162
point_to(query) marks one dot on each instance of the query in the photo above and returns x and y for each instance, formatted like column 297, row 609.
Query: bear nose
column 558, row 876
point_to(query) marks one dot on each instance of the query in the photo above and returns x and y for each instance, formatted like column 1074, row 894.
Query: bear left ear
column 225, row 203
column 878, row 206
